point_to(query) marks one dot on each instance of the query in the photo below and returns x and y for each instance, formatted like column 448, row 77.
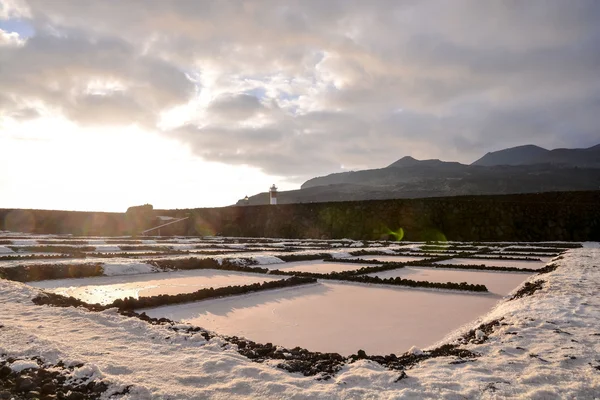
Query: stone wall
column 63, row 222
column 527, row 217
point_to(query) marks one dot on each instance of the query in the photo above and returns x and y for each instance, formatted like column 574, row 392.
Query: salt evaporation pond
column 500, row 283
column 318, row 266
column 126, row 252
column 492, row 262
column 106, row 289
column 494, row 257
column 336, row 317
column 390, row 258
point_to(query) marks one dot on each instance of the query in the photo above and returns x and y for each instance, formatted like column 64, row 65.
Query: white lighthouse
column 273, row 194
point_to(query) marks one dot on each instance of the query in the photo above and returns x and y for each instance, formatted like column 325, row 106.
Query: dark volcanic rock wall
column 525, row 217
column 63, row 222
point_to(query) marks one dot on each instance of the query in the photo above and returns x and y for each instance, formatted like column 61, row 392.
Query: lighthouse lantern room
column 273, row 194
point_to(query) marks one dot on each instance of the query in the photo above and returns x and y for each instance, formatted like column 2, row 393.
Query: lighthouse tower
column 273, row 194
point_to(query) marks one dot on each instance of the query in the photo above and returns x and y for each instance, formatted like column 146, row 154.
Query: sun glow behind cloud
column 51, row 163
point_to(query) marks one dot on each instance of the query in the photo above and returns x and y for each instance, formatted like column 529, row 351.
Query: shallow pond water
column 496, row 263
column 337, row 317
column 106, row 289
column 318, row 266
column 500, row 283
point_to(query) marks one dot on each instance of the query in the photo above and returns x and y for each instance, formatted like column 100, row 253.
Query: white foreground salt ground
column 335, row 317
column 497, row 282
column 549, row 348
column 496, row 263
column 105, row 290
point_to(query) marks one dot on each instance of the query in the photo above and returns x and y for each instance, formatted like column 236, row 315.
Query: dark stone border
column 480, row 267
column 359, row 253
column 205, row 294
column 53, row 249
column 560, row 247
column 206, row 263
column 547, row 269
column 25, row 257
column 400, row 263
column 41, row 272
column 159, row 254
column 408, row 360
column 351, row 276
column 304, row 257
column 46, row 382
column 478, row 256
column 533, row 254
column 431, row 263
column 497, row 257
column 528, row 289
column 131, row 304
column 124, row 254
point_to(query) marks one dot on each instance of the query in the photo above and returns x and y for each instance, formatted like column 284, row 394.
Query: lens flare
column 397, row 235
column 434, row 235
column 203, row 227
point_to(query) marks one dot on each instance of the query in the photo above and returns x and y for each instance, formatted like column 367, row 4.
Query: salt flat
column 391, row 258
column 105, row 290
column 500, row 283
column 491, row 262
column 319, row 266
column 332, row 317
column 543, row 346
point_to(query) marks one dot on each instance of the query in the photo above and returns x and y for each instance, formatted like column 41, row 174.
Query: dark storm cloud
column 302, row 87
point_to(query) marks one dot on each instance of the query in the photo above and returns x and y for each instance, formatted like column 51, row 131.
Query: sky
column 191, row 103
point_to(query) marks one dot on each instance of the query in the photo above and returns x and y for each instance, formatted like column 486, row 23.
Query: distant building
column 273, row 194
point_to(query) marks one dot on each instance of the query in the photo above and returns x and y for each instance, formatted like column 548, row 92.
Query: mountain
column 530, row 155
column 514, row 156
column 405, row 170
column 524, row 169
column 408, row 161
column 583, row 158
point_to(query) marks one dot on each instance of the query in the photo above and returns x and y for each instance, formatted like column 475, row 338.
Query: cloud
column 303, row 87
column 10, row 39
column 58, row 69
column 235, row 106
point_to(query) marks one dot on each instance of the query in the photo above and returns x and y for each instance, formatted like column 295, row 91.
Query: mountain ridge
column 521, row 169
column 531, row 154
column 408, row 161
column 511, row 156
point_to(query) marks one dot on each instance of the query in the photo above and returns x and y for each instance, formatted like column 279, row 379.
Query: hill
column 530, row 155
column 524, row 169
column 514, row 156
